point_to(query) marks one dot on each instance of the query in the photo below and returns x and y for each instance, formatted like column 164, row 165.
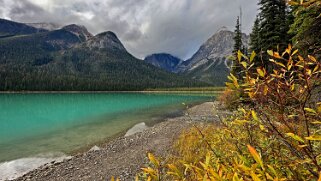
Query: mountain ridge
column 69, row 59
column 165, row 61
column 210, row 63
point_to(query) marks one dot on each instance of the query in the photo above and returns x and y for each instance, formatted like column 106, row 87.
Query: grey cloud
column 144, row 26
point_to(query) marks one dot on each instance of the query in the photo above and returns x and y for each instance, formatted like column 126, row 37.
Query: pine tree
column 255, row 42
column 273, row 24
column 238, row 46
column 306, row 30
column 238, row 36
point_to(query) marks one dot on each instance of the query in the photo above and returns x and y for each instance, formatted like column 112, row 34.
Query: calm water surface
column 32, row 124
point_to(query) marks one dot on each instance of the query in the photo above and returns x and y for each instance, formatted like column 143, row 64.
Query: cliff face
column 210, row 63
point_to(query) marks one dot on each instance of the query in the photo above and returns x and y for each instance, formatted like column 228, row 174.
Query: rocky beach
column 124, row 156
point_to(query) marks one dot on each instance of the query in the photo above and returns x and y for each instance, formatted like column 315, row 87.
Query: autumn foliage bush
column 275, row 137
column 229, row 98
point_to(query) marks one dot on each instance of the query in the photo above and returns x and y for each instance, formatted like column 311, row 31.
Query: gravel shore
column 124, row 156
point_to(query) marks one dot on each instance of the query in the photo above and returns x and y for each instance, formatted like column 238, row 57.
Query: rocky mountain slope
column 71, row 58
column 163, row 60
column 210, row 63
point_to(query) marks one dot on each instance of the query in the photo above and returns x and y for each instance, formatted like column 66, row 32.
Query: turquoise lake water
column 32, row 124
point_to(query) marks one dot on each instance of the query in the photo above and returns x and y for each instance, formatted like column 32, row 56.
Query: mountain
column 80, row 31
column 71, row 59
column 10, row 28
column 163, row 60
column 210, row 63
column 45, row 26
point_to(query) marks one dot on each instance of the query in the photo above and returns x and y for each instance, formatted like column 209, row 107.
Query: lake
column 43, row 123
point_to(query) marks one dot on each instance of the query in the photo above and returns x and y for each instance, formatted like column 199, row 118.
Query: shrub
column 229, row 98
column 276, row 137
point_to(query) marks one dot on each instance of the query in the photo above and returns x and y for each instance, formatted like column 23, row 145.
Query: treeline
column 84, row 70
column 276, row 26
column 45, row 62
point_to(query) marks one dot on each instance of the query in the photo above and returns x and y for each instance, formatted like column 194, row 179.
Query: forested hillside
column 72, row 59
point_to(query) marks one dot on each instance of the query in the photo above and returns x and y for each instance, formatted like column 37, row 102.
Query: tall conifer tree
column 236, row 69
column 274, row 25
column 255, row 42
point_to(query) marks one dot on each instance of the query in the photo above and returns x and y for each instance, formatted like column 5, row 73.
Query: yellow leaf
column 255, row 177
column 254, row 115
column 233, row 77
column 270, row 52
column 314, row 138
column 152, row 159
column 239, row 55
column 310, row 110
column 240, row 122
column 273, row 170
column 292, row 87
column 302, row 146
column 174, row 170
column 281, row 64
column 295, row 137
column 316, row 68
column 244, row 64
column 312, row 58
column 262, row 128
column 260, row 72
column 268, row 176
column 266, row 89
column 252, row 56
column 256, row 156
column 230, row 85
column 295, row 52
column 149, row 171
column 276, row 55
column 235, row 177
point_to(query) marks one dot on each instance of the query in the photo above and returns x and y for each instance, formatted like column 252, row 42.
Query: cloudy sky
column 178, row 27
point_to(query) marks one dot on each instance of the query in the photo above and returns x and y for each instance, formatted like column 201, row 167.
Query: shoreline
column 104, row 92
column 124, row 156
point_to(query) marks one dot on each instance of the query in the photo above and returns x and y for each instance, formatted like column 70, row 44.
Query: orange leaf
column 255, row 155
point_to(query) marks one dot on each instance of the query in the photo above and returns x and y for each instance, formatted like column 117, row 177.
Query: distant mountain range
column 46, row 56
column 163, row 60
column 209, row 64
column 36, row 58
